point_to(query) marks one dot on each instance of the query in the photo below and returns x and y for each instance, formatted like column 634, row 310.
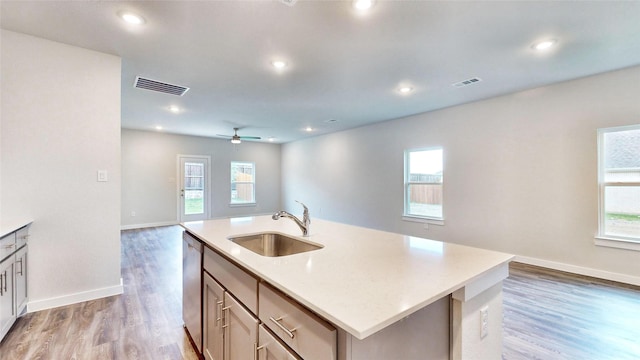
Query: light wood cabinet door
column 241, row 331
column 20, row 269
column 213, row 302
column 271, row 349
column 7, row 308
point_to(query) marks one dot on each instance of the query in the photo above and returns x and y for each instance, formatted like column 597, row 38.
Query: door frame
column 207, row 186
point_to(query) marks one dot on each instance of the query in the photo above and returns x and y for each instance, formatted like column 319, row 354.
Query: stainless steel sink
column 274, row 244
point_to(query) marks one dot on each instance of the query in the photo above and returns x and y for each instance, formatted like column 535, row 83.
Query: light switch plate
column 103, row 176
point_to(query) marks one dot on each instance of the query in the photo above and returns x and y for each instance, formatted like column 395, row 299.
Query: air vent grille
column 467, row 82
column 153, row 85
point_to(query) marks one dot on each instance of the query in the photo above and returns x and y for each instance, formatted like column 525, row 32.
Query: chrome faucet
column 304, row 224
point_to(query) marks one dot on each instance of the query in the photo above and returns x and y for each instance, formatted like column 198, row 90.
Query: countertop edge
column 7, row 227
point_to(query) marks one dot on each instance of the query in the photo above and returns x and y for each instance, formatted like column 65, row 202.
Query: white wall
column 149, row 170
column 520, row 172
column 60, row 124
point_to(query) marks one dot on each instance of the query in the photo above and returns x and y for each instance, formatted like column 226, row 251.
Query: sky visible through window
column 426, row 162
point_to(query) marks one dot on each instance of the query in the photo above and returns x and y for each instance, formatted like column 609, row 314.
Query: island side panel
column 421, row 335
column 467, row 340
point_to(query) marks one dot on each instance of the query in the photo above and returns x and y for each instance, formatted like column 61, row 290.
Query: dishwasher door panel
column 192, row 288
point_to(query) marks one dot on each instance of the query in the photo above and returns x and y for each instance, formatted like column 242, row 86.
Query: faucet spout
column 302, row 224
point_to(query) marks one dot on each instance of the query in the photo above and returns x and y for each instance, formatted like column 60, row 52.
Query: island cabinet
column 230, row 330
column 309, row 335
column 244, row 318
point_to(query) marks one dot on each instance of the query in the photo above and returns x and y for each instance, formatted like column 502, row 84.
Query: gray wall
column 60, row 125
column 149, row 175
column 520, row 173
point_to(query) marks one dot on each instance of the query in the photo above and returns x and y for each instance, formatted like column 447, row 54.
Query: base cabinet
column 240, row 330
column 212, row 304
column 230, row 331
column 269, row 348
column 232, row 318
column 13, row 278
column 20, row 277
column 7, row 304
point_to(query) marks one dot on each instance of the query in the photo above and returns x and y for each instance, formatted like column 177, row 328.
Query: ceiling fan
column 236, row 139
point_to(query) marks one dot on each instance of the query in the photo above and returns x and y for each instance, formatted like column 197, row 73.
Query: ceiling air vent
column 467, row 82
column 153, row 85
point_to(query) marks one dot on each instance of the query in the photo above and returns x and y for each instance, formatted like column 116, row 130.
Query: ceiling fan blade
column 227, row 136
column 251, row 137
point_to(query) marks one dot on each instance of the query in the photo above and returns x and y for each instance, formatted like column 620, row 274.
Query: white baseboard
column 75, row 298
column 601, row 274
column 142, row 226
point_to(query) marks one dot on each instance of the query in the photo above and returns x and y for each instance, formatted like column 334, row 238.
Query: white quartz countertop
column 7, row 226
column 362, row 280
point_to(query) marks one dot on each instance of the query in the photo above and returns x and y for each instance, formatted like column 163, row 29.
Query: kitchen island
column 374, row 285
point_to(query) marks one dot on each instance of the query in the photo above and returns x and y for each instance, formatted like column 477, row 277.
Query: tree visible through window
column 243, row 183
column 619, row 182
column 423, row 183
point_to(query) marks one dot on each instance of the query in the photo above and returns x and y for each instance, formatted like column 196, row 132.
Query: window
column 193, row 188
column 619, row 183
column 423, row 183
column 243, row 182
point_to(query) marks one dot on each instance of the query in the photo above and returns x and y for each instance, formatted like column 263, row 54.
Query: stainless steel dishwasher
column 192, row 288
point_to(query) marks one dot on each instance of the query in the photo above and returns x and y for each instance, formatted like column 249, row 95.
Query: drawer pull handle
column 3, row 282
column 226, row 318
column 219, row 311
column 282, row 327
column 256, row 348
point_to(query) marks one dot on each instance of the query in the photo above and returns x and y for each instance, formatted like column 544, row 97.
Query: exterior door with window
column 194, row 188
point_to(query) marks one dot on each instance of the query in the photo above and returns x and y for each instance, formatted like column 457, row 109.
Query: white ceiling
column 343, row 65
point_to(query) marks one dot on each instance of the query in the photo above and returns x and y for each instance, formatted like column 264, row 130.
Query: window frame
column 602, row 238
column 231, row 183
column 406, row 215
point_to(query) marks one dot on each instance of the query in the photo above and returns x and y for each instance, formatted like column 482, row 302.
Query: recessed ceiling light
column 363, row 4
column 279, row 64
column 158, row 127
column 131, row 18
column 308, row 129
column 174, row 109
column 544, row 45
column 271, row 139
column 405, row 89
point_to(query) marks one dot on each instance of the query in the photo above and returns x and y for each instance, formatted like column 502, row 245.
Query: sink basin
column 274, row 244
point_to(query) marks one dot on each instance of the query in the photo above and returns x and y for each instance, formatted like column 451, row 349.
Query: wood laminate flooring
column 145, row 322
column 548, row 315
column 554, row 315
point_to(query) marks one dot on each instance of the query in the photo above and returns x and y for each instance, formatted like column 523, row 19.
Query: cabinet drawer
column 242, row 285
column 270, row 348
column 307, row 334
column 7, row 245
column 22, row 236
